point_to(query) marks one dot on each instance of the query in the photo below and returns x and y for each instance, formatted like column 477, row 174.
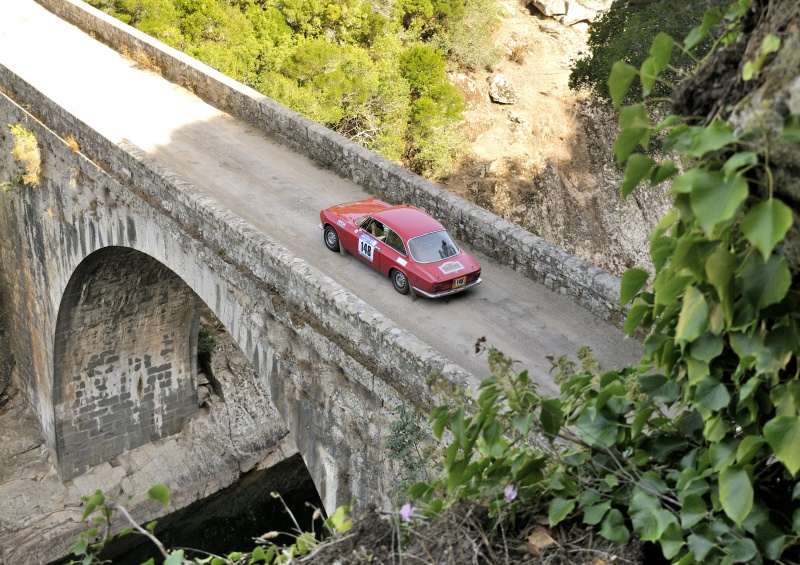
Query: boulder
column 576, row 13
column 551, row 7
column 500, row 91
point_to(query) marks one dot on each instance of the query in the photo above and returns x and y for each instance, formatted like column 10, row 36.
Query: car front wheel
column 399, row 281
column 331, row 238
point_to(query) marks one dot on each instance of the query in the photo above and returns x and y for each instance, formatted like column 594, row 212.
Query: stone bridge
column 106, row 262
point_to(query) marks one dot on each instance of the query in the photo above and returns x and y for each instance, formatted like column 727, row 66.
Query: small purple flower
column 407, row 512
column 510, row 493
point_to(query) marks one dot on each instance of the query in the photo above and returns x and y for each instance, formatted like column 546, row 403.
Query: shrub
column 26, row 150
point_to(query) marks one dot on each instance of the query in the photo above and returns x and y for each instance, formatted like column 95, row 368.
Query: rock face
column 762, row 103
column 547, row 162
column 237, row 431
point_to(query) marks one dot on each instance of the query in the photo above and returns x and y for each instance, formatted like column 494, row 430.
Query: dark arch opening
column 125, row 358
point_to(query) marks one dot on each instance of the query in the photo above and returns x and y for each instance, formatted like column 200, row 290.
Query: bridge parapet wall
column 589, row 286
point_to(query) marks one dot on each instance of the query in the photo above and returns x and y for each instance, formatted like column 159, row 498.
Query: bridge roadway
column 280, row 193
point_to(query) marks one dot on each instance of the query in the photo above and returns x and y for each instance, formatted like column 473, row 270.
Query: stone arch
column 125, row 358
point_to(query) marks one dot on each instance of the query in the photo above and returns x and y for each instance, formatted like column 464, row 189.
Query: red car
column 403, row 243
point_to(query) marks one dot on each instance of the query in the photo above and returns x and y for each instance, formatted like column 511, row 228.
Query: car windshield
column 432, row 247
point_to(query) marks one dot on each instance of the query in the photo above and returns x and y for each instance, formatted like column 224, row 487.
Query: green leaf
column 614, row 529
column 714, row 137
column 659, row 388
column 767, row 224
column 715, row 199
column 648, row 517
column 707, row 347
column 619, row 81
column 712, row 395
column 559, row 509
column 743, row 550
column 258, row 555
column 737, row 161
column 632, row 282
column 635, row 132
column 160, row 493
column 736, row 493
column 693, row 510
column 596, row 512
column 720, row 267
column 662, row 172
column 648, row 75
column 770, row 44
column 92, row 502
column 748, row 449
column 762, row 283
column 175, row 558
column 551, row 416
column 693, row 318
column 783, row 436
column 638, row 167
column 661, row 50
column 671, row 540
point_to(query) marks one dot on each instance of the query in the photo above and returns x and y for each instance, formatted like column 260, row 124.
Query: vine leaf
column 767, row 224
column 693, row 317
column 716, row 200
column 712, row 138
column 783, row 436
column 632, row 282
column 638, row 167
column 635, row 131
column 736, row 493
column 160, row 493
column 619, row 81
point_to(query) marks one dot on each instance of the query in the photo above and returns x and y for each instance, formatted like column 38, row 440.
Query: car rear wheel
column 399, row 281
column 331, row 238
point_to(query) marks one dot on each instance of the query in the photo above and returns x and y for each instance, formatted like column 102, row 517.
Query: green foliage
column 625, row 33
column 206, row 341
column 340, row 63
column 26, row 151
column 105, row 510
column 406, row 444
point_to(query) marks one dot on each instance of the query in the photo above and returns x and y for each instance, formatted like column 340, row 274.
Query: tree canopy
column 373, row 73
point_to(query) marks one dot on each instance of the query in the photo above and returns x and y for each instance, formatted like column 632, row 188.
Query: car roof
column 407, row 221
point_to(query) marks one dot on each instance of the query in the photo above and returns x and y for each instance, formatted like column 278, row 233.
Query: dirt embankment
column 546, row 161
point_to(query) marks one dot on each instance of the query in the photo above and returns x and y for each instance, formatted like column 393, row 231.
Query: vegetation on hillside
column 375, row 72
column 624, row 33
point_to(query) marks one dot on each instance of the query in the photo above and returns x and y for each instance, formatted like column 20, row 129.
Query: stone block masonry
column 120, row 399
column 591, row 287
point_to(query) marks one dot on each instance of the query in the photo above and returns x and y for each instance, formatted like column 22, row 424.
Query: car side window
column 393, row 240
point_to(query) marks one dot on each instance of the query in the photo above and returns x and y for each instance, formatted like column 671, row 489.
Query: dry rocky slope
column 545, row 162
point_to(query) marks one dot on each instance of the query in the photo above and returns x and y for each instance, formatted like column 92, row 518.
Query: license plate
column 459, row 282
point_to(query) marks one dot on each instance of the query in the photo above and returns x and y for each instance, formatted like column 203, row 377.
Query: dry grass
column 140, row 59
column 72, row 142
column 459, row 536
column 26, row 151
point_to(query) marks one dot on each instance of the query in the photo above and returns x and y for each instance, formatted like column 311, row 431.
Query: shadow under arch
column 125, row 358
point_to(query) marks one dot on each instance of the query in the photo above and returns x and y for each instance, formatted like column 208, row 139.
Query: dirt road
column 280, row 193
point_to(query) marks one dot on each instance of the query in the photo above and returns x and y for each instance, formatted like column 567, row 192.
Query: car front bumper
column 447, row 292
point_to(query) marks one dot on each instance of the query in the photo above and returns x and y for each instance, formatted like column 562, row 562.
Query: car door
column 392, row 253
column 367, row 245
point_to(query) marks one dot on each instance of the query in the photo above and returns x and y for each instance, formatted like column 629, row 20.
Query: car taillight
column 437, row 287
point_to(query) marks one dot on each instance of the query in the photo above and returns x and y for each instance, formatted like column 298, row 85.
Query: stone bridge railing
column 587, row 285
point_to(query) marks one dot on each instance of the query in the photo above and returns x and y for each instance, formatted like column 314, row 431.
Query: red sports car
column 403, row 243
